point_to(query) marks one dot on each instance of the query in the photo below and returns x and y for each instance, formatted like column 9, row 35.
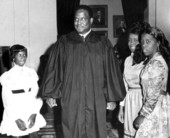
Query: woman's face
column 133, row 41
column 20, row 58
column 149, row 45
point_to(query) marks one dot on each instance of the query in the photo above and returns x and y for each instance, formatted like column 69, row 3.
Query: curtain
column 65, row 15
column 133, row 10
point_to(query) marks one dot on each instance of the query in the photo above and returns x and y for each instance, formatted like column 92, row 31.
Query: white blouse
column 19, row 91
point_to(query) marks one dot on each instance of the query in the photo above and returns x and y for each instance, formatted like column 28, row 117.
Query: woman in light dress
column 21, row 114
column 133, row 65
column 153, row 120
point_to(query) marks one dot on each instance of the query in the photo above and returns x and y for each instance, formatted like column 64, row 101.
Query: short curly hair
column 15, row 49
column 85, row 7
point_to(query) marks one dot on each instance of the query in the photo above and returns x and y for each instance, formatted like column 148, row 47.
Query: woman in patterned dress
column 153, row 120
column 21, row 114
column 133, row 66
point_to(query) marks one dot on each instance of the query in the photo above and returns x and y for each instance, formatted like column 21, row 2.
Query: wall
column 31, row 23
column 159, row 13
column 114, row 8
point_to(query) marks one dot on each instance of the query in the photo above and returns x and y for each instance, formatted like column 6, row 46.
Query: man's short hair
column 85, row 7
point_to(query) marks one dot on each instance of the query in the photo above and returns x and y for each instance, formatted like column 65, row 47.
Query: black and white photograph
column 119, row 25
column 100, row 16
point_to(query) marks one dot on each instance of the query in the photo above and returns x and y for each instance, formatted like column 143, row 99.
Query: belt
column 130, row 88
column 20, row 91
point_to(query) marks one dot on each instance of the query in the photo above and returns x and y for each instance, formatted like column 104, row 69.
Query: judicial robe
column 85, row 75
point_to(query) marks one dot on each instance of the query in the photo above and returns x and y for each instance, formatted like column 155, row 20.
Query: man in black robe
column 84, row 73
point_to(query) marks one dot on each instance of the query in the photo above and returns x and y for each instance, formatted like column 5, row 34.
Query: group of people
column 84, row 73
column 145, row 111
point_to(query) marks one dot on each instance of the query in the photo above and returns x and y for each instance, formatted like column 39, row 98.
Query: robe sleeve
column 154, row 84
column 53, row 74
column 122, row 103
column 114, row 79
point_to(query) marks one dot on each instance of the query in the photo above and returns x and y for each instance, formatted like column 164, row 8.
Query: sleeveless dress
column 133, row 99
column 156, row 101
column 19, row 91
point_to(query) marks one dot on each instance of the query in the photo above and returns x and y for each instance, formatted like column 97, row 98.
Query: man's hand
column 21, row 124
column 111, row 105
column 31, row 120
column 51, row 102
column 138, row 121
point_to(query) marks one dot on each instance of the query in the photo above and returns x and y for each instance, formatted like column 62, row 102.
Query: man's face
column 82, row 21
column 122, row 23
column 99, row 14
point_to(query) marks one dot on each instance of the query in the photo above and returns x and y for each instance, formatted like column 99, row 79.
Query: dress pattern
column 156, row 101
column 133, row 99
column 19, row 91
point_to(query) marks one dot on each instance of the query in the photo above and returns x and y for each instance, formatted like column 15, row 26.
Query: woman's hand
column 31, row 120
column 138, row 121
column 121, row 114
column 21, row 124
